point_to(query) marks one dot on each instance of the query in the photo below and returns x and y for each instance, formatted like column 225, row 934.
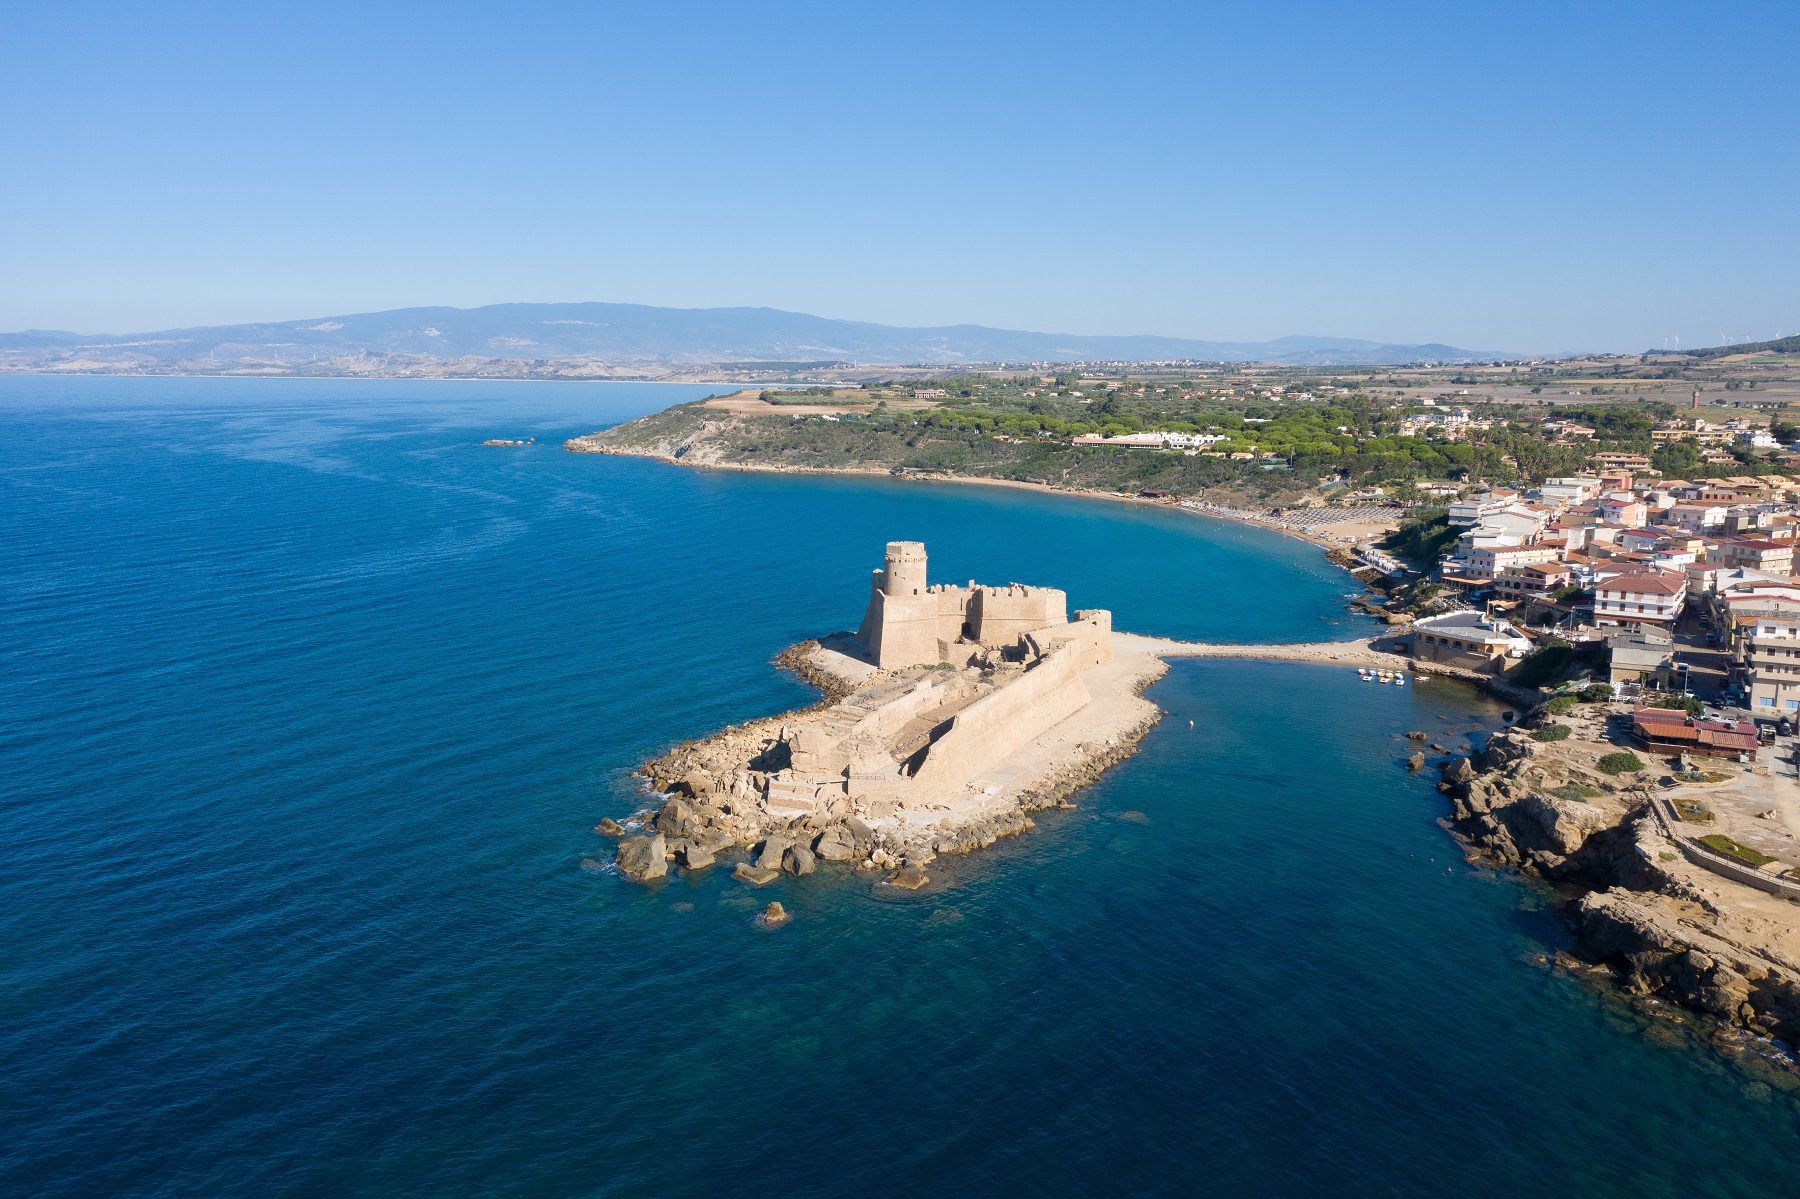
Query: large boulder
column 1457, row 770
column 608, row 827
column 676, row 818
column 768, row 855
column 643, row 858
column 797, row 860
column 694, row 856
column 861, row 835
column 1416, row 763
column 836, row 844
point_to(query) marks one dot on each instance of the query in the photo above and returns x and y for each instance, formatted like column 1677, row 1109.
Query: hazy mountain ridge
column 638, row 333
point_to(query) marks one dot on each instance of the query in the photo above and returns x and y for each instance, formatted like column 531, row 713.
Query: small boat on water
column 1399, row 680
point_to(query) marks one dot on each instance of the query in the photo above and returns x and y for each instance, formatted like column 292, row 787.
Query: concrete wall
column 999, row 723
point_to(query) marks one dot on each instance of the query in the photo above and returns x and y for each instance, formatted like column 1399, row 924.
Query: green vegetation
column 1598, row 693
column 1720, row 843
column 1561, row 704
column 1422, row 538
column 1622, row 762
column 1576, row 791
column 1552, row 732
column 1272, row 435
column 1693, row 810
column 1547, row 665
column 1680, row 703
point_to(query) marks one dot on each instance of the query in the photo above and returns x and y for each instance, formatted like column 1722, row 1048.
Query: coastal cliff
column 1649, row 919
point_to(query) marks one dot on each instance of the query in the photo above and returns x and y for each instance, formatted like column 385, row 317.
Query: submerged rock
column 1415, row 735
column 756, row 876
column 643, row 858
column 909, row 878
column 774, row 915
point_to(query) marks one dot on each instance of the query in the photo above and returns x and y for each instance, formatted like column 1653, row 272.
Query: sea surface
column 311, row 702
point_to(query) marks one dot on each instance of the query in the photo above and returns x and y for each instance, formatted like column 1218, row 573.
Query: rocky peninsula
column 950, row 716
column 1658, row 911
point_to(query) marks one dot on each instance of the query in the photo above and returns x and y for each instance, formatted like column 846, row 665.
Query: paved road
column 1708, row 667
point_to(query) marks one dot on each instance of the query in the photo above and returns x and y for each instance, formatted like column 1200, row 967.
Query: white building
column 1640, row 600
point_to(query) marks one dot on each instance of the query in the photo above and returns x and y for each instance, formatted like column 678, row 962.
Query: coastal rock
column 1568, row 823
column 774, row 916
column 768, row 856
column 608, row 827
column 836, row 844
column 643, row 858
column 1503, row 749
column 675, row 819
column 756, row 876
column 797, row 860
column 1416, row 763
column 695, row 857
column 908, row 878
column 1457, row 770
column 1415, row 735
column 861, row 835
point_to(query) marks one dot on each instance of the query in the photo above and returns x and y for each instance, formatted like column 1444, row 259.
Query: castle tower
column 905, row 573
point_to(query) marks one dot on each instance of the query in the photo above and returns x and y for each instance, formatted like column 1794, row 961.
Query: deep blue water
column 310, row 703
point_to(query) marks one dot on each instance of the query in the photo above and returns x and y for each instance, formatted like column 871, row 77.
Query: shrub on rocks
column 1552, row 732
column 1623, row 762
column 1561, row 704
column 1598, row 693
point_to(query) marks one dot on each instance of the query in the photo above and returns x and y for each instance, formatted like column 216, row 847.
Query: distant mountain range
column 638, row 333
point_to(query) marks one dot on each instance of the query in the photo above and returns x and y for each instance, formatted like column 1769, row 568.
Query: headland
column 951, row 714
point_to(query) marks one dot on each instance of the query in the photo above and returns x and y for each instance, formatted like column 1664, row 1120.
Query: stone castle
column 911, row 623
column 968, row 675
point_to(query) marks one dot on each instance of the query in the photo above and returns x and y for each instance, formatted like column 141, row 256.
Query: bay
column 311, row 702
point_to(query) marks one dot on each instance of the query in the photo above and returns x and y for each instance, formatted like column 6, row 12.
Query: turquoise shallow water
column 310, row 702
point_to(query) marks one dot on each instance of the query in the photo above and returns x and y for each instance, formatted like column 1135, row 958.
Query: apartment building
column 1640, row 600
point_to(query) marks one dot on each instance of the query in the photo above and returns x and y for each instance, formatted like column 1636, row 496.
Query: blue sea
column 311, row 703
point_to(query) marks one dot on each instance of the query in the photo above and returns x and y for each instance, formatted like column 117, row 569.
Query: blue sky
column 1517, row 177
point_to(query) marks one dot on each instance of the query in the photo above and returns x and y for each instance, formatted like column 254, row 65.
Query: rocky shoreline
column 1647, row 920
column 708, row 808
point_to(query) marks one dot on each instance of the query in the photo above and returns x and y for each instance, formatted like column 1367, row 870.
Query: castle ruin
column 967, row 676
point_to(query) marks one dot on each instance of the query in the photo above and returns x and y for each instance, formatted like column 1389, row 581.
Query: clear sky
column 1515, row 176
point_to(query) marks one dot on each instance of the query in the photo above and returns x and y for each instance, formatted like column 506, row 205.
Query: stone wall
column 1006, row 720
column 1001, row 615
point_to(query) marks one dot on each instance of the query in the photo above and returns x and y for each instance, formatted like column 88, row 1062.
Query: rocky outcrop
column 643, row 858
column 1661, row 954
